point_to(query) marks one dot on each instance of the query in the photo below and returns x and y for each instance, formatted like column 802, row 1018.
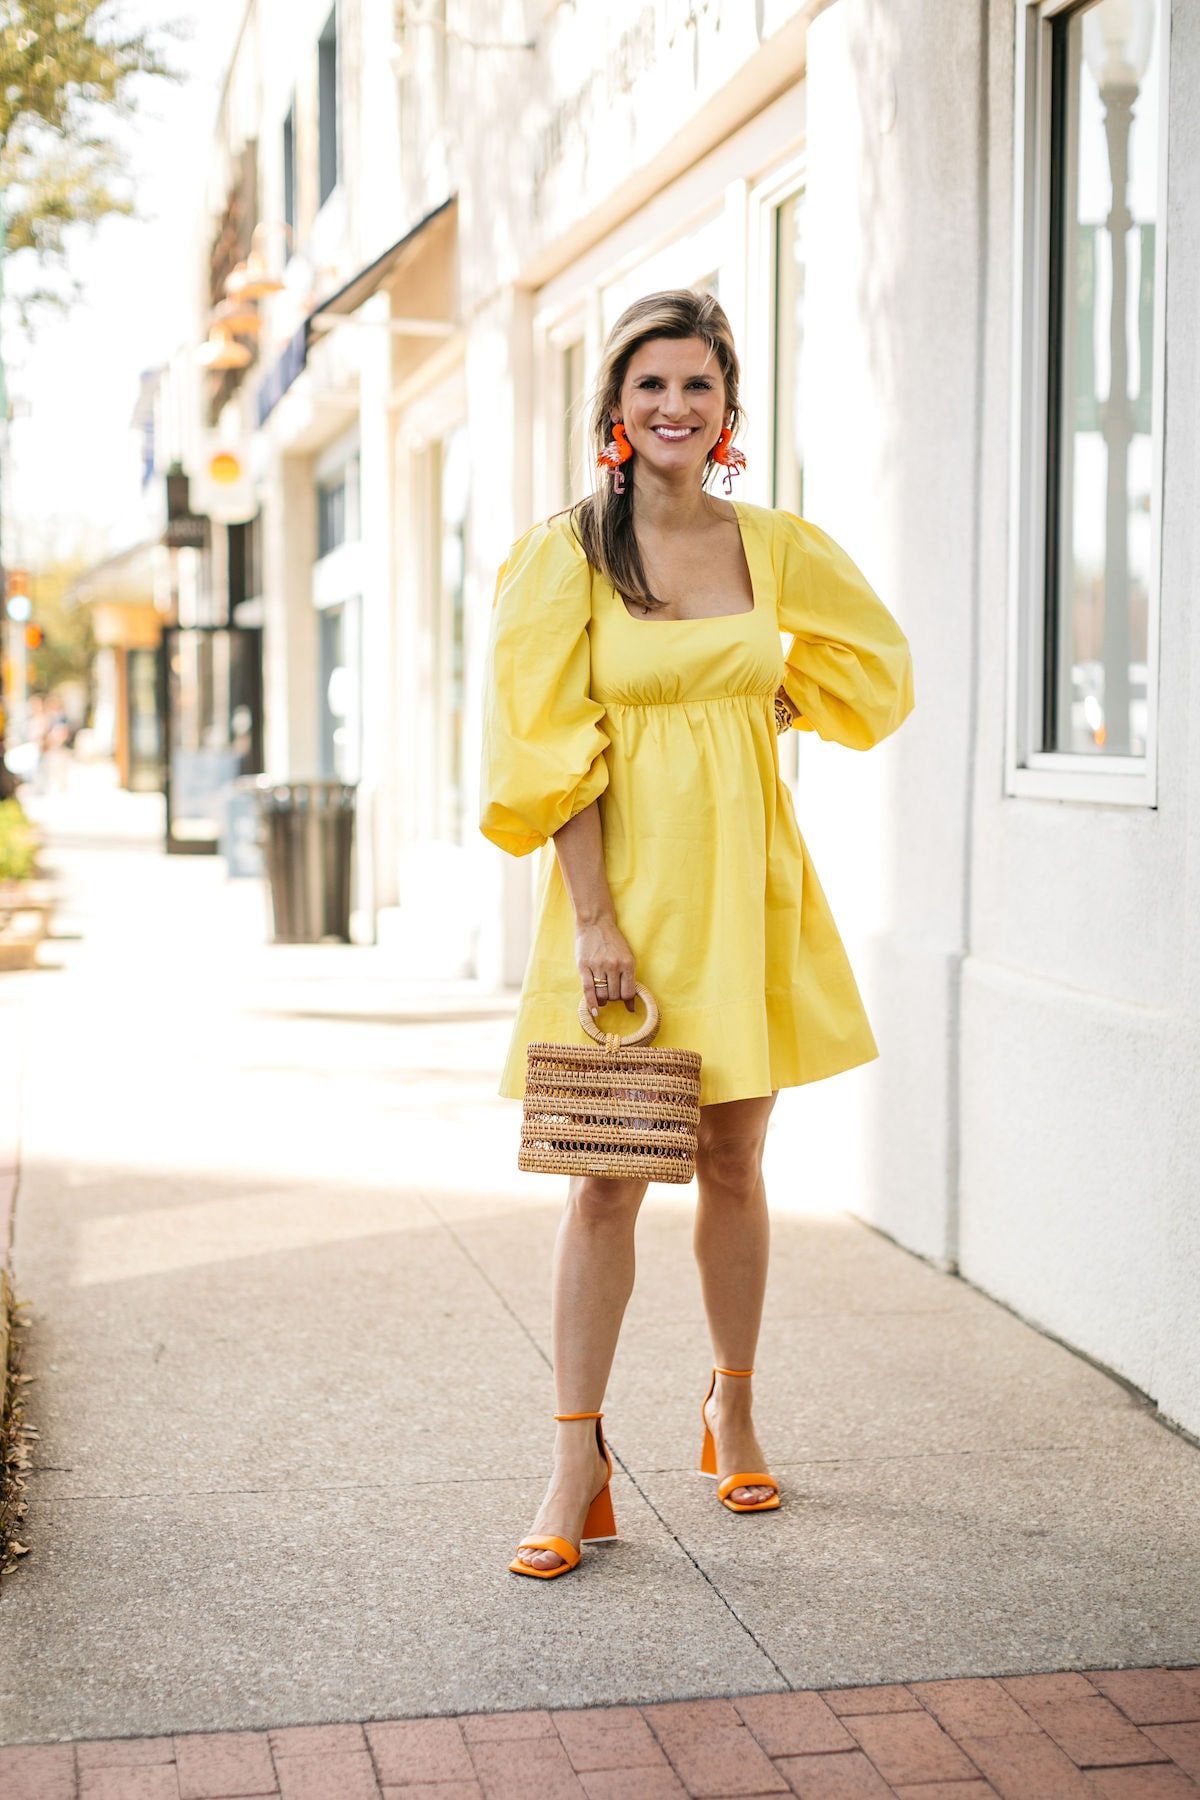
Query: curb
column 11, row 1454
column 10, row 1153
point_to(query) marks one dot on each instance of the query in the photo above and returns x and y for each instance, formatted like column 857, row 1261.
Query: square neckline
column 707, row 618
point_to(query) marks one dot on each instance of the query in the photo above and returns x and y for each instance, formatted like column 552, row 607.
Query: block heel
column 708, row 1460
column 600, row 1526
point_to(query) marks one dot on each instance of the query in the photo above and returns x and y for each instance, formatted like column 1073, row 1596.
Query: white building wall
column 894, row 273
column 1080, row 1051
column 1029, row 964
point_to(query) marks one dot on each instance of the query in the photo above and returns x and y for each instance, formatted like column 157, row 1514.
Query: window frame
column 1030, row 771
column 572, row 430
column 787, row 180
column 554, row 333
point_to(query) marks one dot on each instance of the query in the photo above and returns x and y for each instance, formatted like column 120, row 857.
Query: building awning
column 420, row 271
column 429, row 243
column 127, row 577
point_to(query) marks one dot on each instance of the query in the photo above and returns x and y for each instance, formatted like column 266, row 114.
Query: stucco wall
column 616, row 101
column 893, row 295
column 1030, row 965
column 1081, row 1158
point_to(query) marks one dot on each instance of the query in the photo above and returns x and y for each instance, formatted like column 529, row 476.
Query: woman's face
column 673, row 404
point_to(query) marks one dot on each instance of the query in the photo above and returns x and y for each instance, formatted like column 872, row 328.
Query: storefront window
column 339, row 691
column 788, row 447
column 337, row 508
column 144, row 723
column 1103, row 164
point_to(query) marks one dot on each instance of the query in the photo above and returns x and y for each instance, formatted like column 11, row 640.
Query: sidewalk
column 289, row 1299
column 1123, row 1735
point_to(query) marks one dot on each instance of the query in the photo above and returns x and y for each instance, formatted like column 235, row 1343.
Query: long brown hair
column 603, row 522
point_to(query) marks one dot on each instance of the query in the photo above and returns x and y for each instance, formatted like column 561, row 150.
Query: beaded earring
column 732, row 460
column 618, row 450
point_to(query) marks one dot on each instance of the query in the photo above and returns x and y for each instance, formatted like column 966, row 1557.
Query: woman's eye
column 652, row 381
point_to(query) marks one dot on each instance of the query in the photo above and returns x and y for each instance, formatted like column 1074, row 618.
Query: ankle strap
column 738, row 1372
column 566, row 1416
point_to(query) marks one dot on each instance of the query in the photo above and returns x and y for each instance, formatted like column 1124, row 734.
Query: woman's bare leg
column 593, row 1279
column 732, row 1245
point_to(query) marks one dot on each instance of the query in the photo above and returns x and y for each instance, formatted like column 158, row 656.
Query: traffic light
column 35, row 637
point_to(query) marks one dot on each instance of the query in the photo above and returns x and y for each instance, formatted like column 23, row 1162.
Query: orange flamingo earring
column 618, row 450
column 732, row 460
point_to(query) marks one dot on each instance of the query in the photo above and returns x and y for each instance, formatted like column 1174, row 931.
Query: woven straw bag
column 616, row 1107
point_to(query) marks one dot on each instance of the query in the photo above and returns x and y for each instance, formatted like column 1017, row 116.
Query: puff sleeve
column 543, row 737
column 848, row 667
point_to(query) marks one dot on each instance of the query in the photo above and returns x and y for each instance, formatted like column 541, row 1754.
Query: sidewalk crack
column 725, row 1601
column 479, row 1269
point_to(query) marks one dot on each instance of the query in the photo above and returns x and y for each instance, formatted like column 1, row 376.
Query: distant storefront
column 127, row 710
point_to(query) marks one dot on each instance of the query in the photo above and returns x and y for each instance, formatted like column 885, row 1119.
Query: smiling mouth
column 675, row 434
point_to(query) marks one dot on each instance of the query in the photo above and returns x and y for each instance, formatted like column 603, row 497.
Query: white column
column 499, row 412
column 377, row 797
column 290, row 625
column 893, row 307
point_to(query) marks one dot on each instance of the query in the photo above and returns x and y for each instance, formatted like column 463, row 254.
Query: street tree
column 68, row 72
column 68, row 644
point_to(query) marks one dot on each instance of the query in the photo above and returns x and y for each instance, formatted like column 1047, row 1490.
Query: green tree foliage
column 66, row 67
column 18, row 845
column 68, row 644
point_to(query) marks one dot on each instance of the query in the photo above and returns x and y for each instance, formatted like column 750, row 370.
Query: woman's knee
column 730, row 1160
column 603, row 1200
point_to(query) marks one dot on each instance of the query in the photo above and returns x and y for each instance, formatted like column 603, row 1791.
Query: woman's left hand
column 785, row 713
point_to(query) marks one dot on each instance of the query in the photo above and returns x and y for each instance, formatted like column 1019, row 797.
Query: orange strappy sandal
column 600, row 1527
column 708, row 1462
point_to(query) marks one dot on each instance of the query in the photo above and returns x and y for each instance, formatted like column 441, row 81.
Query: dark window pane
column 327, row 100
column 1103, row 155
column 331, row 515
column 289, row 174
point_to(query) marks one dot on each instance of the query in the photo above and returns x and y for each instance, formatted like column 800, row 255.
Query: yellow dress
column 670, row 724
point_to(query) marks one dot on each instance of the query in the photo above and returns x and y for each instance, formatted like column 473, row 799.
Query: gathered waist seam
column 763, row 694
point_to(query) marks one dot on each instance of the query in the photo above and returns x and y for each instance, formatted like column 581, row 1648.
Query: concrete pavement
column 289, row 1296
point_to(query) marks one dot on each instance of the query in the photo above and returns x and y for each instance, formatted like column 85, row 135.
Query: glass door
column 211, row 681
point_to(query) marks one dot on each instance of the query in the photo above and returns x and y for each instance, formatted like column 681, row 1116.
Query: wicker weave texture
column 630, row 1112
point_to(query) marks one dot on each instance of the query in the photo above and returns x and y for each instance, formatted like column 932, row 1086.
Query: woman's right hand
column 603, row 957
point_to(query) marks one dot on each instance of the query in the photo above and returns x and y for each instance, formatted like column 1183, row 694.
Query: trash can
column 308, row 835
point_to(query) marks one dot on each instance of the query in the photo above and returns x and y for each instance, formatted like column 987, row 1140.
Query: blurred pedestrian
column 636, row 685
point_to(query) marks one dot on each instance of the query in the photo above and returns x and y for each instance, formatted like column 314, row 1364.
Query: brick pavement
column 1121, row 1734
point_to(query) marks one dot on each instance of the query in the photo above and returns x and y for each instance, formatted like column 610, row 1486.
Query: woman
column 635, row 686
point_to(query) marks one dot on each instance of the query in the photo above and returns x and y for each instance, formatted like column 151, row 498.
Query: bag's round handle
column 646, row 1031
